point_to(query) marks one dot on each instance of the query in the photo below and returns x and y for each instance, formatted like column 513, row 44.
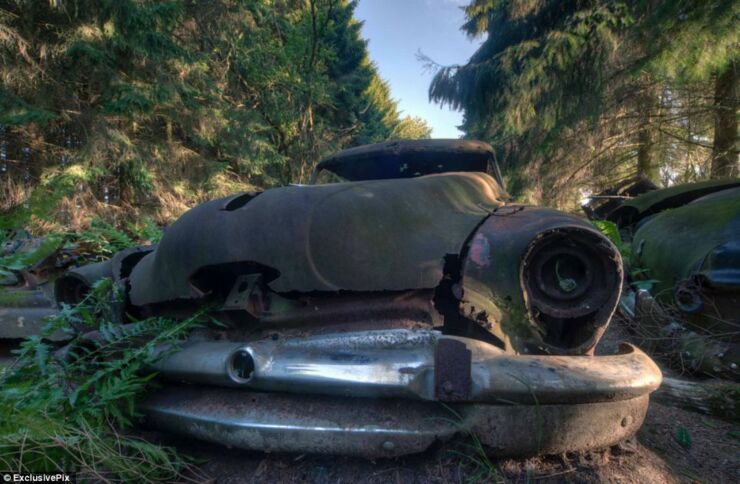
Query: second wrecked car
column 685, row 266
column 409, row 277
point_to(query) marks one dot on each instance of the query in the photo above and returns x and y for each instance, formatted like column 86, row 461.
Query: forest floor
column 659, row 453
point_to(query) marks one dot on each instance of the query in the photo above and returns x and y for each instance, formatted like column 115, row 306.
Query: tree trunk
column 724, row 151
column 646, row 163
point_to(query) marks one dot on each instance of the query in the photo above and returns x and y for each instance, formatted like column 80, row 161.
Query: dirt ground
column 674, row 445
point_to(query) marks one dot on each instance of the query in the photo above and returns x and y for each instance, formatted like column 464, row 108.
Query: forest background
column 132, row 111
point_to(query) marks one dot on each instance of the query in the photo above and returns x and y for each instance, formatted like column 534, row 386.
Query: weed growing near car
column 67, row 409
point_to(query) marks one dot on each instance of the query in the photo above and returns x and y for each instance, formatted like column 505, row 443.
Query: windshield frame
column 409, row 159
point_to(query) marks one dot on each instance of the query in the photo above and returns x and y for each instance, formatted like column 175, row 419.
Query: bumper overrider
column 394, row 392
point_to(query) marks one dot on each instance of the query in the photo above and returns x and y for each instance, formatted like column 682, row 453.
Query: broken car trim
column 515, row 404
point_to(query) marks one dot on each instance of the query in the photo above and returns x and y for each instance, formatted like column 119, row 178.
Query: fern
column 64, row 410
column 611, row 231
column 102, row 238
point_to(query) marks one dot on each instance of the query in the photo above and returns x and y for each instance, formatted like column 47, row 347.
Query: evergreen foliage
column 588, row 92
column 113, row 108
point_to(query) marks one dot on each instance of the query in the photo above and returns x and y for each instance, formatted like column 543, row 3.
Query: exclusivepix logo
column 58, row 477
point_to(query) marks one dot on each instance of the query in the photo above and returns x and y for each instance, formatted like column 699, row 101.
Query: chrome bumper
column 426, row 387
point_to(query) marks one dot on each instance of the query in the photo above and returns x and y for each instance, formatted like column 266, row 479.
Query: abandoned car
column 397, row 300
column 685, row 254
column 26, row 287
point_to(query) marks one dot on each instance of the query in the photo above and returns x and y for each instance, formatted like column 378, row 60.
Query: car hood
column 699, row 238
column 358, row 236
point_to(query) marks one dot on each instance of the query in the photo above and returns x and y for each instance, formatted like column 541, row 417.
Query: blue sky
column 397, row 30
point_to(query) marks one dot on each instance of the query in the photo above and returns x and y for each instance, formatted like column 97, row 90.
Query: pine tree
column 593, row 90
column 114, row 108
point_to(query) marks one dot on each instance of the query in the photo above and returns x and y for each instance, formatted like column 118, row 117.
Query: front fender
column 540, row 280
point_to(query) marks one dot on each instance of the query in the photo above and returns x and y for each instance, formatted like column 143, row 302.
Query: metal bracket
column 452, row 362
column 246, row 295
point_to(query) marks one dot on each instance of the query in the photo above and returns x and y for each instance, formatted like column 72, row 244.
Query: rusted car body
column 685, row 240
column 404, row 303
column 698, row 264
column 26, row 293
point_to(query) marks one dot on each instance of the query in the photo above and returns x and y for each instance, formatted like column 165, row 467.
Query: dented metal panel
column 541, row 280
column 359, row 236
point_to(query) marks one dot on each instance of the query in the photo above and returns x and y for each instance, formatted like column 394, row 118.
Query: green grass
column 473, row 456
column 71, row 411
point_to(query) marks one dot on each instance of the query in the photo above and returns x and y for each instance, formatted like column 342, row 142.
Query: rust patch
column 452, row 378
column 479, row 252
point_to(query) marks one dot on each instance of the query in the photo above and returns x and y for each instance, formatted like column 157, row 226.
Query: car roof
column 410, row 158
